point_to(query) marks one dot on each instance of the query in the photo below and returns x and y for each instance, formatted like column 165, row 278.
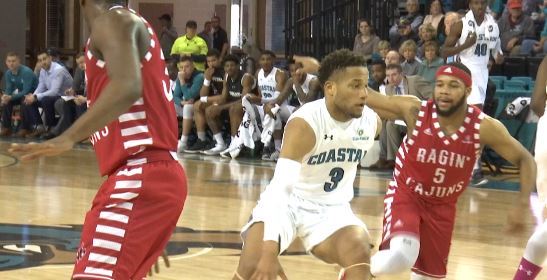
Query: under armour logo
column 528, row 272
column 448, row 70
column 327, row 136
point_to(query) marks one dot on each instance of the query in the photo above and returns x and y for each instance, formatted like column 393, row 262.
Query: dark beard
column 452, row 109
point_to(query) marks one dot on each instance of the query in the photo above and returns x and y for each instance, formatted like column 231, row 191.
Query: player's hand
column 268, row 268
column 156, row 269
column 499, row 58
column 80, row 99
column 209, row 73
column 512, row 43
column 32, row 151
column 268, row 109
column 470, row 40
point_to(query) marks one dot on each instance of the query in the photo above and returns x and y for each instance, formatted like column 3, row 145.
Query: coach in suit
column 399, row 84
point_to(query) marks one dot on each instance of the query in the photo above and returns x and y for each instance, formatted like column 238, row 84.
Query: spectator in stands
column 56, row 56
column 54, row 80
column 366, row 41
column 207, row 35
column 517, row 32
column 399, row 84
column 213, row 85
column 187, row 89
column 383, row 48
column 71, row 106
column 191, row 45
column 168, row 35
column 431, row 62
column 393, row 57
column 20, row 81
column 413, row 18
column 436, row 13
column 427, row 33
column 220, row 37
column 541, row 47
column 410, row 65
column 378, row 76
column 444, row 26
column 405, row 33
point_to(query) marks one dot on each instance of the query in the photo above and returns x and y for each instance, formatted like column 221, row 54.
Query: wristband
column 203, row 99
column 206, row 82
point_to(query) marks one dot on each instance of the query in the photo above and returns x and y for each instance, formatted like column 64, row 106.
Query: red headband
column 450, row 70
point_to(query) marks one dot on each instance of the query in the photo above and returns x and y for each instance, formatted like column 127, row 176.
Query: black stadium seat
column 515, row 66
column 533, row 65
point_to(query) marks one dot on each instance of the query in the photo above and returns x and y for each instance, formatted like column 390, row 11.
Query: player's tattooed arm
column 411, row 117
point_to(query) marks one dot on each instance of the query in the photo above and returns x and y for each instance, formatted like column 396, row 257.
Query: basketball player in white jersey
column 536, row 249
column 309, row 194
column 271, row 81
column 306, row 86
column 472, row 40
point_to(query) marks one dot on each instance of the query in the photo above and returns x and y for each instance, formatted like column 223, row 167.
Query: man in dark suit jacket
column 399, row 84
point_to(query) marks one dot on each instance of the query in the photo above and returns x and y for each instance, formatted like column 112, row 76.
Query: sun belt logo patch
column 448, row 70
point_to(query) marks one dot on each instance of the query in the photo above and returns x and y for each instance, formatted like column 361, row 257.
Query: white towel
column 268, row 126
column 247, row 132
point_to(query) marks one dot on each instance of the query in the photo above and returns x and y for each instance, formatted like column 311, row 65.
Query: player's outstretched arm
column 539, row 96
column 115, row 39
column 494, row 134
column 401, row 107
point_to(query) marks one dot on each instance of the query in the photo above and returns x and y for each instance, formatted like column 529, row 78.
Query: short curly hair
column 338, row 61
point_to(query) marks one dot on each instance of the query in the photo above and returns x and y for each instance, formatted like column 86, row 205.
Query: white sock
column 536, row 249
column 277, row 143
column 184, row 140
column 218, row 139
column 402, row 254
column 201, row 135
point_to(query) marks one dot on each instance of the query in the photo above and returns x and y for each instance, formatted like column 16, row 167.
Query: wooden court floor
column 42, row 205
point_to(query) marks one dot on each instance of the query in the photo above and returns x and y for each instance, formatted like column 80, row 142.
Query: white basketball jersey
column 305, row 85
column 328, row 171
column 488, row 39
column 267, row 84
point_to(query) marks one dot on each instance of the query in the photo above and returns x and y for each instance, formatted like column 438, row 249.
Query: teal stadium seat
column 515, row 85
column 528, row 80
column 498, row 81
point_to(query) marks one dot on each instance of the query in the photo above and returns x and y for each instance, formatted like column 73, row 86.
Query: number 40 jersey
column 488, row 39
column 328, row 170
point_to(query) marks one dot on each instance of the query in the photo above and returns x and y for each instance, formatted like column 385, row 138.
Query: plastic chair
column 515, row 85
column 528, row 80
column 499, row 81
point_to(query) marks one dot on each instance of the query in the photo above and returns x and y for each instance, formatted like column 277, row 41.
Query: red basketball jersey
column 150, row 123
column 434, row 166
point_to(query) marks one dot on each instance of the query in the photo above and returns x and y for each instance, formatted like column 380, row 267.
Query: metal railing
column 317, row 27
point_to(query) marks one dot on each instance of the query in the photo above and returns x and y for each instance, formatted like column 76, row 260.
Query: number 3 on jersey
column 336, row 174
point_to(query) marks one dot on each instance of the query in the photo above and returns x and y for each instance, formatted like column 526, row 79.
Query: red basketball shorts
column 132, row 218
column 405, row 213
